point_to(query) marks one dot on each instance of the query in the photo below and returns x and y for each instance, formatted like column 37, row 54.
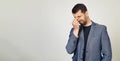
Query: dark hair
column 78, row 7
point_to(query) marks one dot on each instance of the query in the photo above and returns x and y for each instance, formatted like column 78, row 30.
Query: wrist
column 75, row 32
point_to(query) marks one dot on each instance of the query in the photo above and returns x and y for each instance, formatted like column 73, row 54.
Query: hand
column 76, row 25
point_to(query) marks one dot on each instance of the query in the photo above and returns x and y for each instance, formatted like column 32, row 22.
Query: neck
column 89, row 22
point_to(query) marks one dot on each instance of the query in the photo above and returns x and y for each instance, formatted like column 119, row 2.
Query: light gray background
column 37, row 30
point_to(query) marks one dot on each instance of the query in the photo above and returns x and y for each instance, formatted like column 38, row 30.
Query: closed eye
column 79, row 16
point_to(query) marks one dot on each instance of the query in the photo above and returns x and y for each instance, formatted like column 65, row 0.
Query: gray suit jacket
column 98, row 45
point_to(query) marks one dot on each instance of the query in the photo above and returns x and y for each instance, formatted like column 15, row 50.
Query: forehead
column 78, row 13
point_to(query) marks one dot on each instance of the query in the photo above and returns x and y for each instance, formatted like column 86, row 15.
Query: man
column 88, row 40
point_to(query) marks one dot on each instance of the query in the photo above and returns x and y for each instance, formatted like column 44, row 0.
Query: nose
column 76, row 19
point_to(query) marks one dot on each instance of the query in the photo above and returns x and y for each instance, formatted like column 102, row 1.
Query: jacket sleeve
column 72, row 42
column 106, row 50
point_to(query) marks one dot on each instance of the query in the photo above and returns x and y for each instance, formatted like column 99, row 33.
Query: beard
column 83, row 22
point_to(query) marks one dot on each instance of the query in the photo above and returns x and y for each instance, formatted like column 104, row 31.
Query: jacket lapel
column 81, row 38
column 91, row 33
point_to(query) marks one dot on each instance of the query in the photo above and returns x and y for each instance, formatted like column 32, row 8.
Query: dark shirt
column 86, row 33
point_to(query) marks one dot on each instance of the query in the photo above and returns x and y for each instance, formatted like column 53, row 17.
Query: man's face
column 81, row 17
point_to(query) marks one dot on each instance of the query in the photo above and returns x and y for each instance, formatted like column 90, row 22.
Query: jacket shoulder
column 100, row 25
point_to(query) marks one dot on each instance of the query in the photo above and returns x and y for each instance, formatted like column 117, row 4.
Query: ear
column 86, row 13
